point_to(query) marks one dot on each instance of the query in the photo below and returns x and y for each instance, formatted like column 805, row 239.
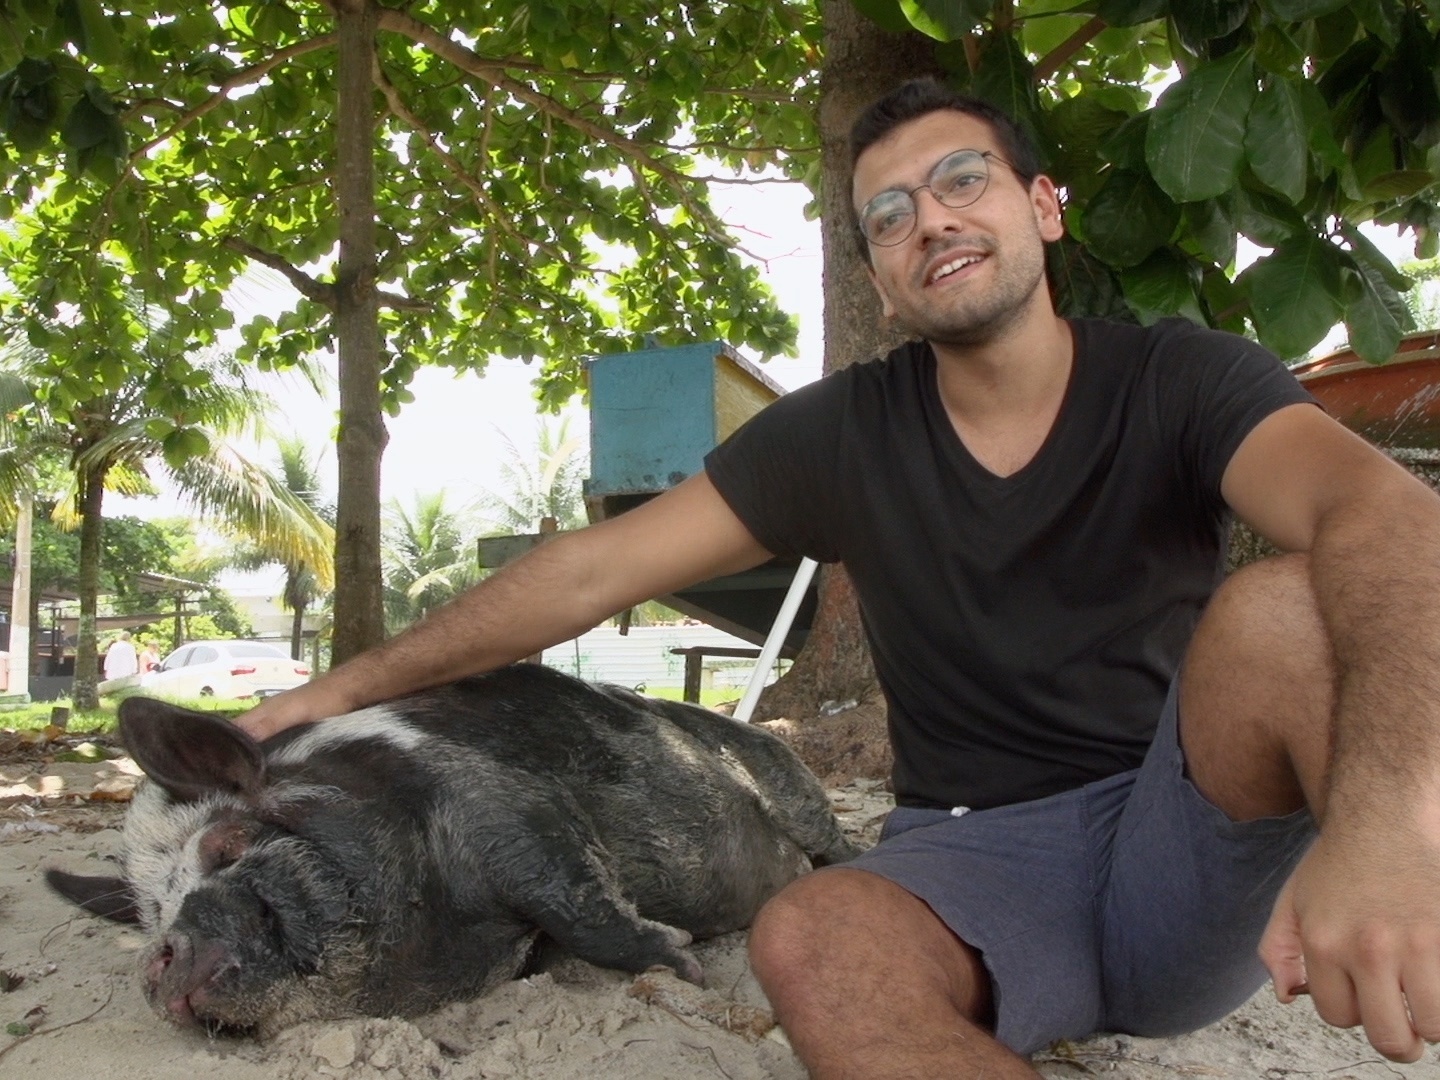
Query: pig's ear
column 109, row 897
column 190, row 754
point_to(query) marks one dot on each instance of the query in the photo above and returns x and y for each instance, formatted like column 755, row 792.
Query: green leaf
column 884, row 13
column 1400, row 184
column 1375, row 318
column 1380, row 17
column 1005, row 78
column 1131, row 12
column 944, row 20
column 1409, row 91
column 1275, row 141
column 1264, row 219
column 1212, row 229
column 99, row 40
column 1295, row 295
column 1370, row 257
column 1195, row 144
column 1300, row 10
column 1128, row 218
column 1083, row 284
column 37, row 333
column 1125, row 146
column 31, row 104
column 1161, row 286
column 183, row 444
column 1201, row 21
column 87, row 126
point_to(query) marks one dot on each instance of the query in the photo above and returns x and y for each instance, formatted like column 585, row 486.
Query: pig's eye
column 222, row 846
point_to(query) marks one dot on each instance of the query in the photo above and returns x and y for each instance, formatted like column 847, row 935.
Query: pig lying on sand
column 409, row 854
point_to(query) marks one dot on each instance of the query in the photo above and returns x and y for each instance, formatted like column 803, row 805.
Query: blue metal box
column 656, row 413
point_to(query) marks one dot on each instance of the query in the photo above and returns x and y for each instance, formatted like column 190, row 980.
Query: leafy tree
column 429, row 557
column 517, row 178
column 113, row 436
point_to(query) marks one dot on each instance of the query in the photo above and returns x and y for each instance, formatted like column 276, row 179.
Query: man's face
column 965, row 274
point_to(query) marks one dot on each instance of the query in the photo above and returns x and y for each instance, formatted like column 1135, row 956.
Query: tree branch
column 1056, row 58
column 322, row 292
column 237, row 79
column 494, row 74
column 319, row 291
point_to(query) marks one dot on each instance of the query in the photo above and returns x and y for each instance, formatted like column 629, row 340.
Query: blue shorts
column 1130, row 905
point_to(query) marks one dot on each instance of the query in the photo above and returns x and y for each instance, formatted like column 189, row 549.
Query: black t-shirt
column 1025, row 629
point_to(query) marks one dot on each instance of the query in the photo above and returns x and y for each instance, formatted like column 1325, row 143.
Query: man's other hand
column 1357, row 927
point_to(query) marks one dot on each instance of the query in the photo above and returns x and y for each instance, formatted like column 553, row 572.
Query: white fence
column 643, row 656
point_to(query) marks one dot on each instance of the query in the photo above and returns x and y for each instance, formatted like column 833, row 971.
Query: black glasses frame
column 952, row 202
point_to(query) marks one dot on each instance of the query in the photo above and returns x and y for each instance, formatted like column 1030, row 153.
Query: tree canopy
column 540, row 169
column 440, row 182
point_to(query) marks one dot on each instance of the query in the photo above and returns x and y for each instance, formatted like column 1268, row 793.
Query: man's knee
column 792, row 929
column 1257, row 691
column 840, row 922
column 1265, row 614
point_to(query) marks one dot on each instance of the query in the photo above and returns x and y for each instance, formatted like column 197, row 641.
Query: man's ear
column 1045, row 199
column 885, row 305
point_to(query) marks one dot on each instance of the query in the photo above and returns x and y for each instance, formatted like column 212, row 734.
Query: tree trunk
column 861, row 62
column 84, row 696
column 359, row 622
column 297, row 633
column 19, row 682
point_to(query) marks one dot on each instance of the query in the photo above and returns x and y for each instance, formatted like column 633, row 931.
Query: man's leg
column 1256, row 694
column 1217, row 820
column 869, row 983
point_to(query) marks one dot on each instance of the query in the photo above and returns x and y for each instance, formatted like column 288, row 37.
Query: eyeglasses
column 957, row 180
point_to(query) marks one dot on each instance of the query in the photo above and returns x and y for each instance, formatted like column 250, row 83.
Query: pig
column 410, row 854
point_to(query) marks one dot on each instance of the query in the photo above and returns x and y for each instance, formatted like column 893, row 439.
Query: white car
column 225, row 669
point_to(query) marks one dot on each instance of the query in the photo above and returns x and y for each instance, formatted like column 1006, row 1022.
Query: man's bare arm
column 1359, row 921
column 560, row 589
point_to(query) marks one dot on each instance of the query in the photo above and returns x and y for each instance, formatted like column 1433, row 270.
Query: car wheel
column 207, row 691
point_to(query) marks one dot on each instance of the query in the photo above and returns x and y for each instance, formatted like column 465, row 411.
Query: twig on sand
column 60, row 1027
column 713, row 1057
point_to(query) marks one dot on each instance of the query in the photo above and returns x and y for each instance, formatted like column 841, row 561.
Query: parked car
column 225, row 669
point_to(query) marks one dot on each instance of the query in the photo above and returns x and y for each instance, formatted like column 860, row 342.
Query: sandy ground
column 69, row 981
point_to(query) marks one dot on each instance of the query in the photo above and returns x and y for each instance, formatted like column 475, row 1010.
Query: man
column 120, row 658
column 1033, row 512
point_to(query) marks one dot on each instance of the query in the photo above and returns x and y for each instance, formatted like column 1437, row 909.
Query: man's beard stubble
column 978, row 320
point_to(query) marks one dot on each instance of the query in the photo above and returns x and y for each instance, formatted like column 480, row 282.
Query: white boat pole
column 776, row 638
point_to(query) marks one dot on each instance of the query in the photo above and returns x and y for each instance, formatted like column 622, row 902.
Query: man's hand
column 313, row 701
column 1357, row 926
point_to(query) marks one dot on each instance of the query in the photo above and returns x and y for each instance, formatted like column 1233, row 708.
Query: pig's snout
column 181, row 974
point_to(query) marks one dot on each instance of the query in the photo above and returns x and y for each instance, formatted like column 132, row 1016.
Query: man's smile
column 950, row 263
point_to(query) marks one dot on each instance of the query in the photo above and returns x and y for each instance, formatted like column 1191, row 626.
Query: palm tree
column 550, row 486
column 427, row 555
column 299, row 470
column 117, row 437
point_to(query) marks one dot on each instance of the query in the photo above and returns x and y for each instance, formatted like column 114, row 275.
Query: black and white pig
column 409, row 854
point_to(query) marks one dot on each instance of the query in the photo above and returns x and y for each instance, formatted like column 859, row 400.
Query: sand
column 70, row 981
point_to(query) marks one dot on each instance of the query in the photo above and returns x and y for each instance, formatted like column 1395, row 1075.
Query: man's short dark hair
column 920, row 97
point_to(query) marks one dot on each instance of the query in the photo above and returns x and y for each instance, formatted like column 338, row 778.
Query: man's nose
column 934, row 218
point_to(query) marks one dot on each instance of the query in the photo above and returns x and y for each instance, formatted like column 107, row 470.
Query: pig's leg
column 793, row 797
column 547, row 864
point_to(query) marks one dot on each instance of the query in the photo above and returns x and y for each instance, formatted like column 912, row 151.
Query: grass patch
column 101, row 721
